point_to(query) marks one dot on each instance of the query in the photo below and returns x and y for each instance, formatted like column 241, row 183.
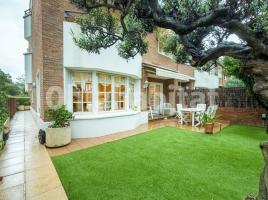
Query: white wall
column 108, row 60
column 100, row 126
column 206, row 80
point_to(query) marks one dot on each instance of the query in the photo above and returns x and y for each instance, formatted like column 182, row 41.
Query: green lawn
column 167, row 163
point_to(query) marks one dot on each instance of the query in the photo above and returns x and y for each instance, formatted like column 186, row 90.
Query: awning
column 173, row 75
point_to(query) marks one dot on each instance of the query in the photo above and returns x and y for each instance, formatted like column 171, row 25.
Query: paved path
column 26, row 166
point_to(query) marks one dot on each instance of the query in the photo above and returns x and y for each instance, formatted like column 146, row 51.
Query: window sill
column 84, row 116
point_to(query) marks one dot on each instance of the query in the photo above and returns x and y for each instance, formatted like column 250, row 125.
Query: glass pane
column 101, row 78
column 87, row 107
column 122, row 88
column 116, row 96
column 101, row 107
column 122, row 97
column 101, row 87
column 122, row 105
column 77, row 87
column 101, row 97
column 117, row 88
column 108, row 106
column 82, row 76
column 108, row 88
column 88, row 87
column 108, row 78
column 108, row 96
column 87, row 97
column 77, row 97
column 77, row 107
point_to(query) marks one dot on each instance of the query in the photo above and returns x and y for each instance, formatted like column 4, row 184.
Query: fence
column 235, row 105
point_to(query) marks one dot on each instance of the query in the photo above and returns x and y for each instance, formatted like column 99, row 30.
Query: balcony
column 28, row 67
column 27, row 24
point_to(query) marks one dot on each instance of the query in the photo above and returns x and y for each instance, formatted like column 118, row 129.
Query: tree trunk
column 258, row 68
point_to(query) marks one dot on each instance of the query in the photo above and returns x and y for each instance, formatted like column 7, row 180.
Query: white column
column 95, row 92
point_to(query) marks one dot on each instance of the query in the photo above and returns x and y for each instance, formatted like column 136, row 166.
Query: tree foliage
column 198, row 31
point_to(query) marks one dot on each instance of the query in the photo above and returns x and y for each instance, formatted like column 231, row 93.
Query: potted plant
column 59, row 132
column 207, row 122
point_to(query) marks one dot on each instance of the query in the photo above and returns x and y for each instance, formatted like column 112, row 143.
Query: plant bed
column 58, row 134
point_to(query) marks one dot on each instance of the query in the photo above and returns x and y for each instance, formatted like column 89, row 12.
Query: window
column 82, row 92
column 119, row 93
column 105, row 92
column 131, row 95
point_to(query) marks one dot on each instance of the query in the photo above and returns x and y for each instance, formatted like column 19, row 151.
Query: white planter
column 20, row 108
column 27, row 107
column 57, row 137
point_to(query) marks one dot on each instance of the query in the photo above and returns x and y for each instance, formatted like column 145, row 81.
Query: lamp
column 146, row 84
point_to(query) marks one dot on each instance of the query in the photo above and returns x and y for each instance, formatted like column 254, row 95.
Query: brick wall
column 153, row 57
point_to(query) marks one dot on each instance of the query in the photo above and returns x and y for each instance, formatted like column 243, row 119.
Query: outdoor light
column 146, row 84
column 264, row 116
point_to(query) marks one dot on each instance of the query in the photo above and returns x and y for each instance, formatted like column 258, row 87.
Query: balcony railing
column 27, row 24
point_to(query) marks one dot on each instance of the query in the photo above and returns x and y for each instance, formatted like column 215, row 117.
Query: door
column 155, row 96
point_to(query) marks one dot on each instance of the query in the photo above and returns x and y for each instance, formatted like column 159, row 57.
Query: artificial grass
column 167, row 163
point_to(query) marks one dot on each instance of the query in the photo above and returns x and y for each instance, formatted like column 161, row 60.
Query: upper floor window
column 82, row 92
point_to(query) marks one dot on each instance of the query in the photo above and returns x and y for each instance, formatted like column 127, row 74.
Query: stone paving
column 25, row 165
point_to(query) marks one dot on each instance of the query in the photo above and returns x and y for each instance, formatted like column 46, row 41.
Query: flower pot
column 27, row 107
column 209, row 128
column 58, row 137
column 20, row 108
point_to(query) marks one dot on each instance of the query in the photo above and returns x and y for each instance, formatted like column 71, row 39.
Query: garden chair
column 179, row 114
column 166, row 108
column 212, row 110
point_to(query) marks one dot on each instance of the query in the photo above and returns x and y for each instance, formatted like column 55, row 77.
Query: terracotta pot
column 209, row 128
column 58, row 137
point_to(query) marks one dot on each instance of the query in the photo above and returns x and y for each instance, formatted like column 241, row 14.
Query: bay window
column 82, row 92
column 101, row 92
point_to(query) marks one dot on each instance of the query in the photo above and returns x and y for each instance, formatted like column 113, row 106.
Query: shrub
column 23, row 101
column 3, row 109
column 60, row 117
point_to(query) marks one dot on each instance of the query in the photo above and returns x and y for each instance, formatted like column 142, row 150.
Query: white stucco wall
column 104, row 125
column 108, row 60
column 206, row 80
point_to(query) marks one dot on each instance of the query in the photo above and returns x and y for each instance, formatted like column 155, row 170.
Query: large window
column 105, row 92
column 119, row 93
column 82, row 92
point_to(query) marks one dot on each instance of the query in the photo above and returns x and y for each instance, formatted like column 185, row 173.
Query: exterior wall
column 96, row 127
column 153, row 57
column 108, row 60
column 248, row 116
column 206, row 80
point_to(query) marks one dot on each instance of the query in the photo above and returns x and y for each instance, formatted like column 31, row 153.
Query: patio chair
column 166, row 108
column 179, row 114
column 153, row 113
column 199, row 114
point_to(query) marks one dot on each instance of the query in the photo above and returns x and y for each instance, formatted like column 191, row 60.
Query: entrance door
column 155, row 96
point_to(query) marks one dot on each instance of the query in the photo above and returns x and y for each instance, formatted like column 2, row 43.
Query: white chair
column 166, row 108
column 179, row 114
column 198, row 115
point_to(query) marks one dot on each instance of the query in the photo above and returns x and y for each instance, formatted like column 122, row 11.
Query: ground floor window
column 111, row 93
column 82, row 92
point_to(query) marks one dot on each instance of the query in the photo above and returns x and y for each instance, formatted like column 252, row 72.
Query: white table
column 192, row 111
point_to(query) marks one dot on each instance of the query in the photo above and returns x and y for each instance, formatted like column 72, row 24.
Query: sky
column 12, row 42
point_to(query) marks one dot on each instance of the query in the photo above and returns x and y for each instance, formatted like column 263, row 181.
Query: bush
column 23, row 101
column 3, row 109
column 60, row 117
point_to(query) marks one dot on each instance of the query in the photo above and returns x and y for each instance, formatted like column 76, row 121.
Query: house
column 106, row 93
